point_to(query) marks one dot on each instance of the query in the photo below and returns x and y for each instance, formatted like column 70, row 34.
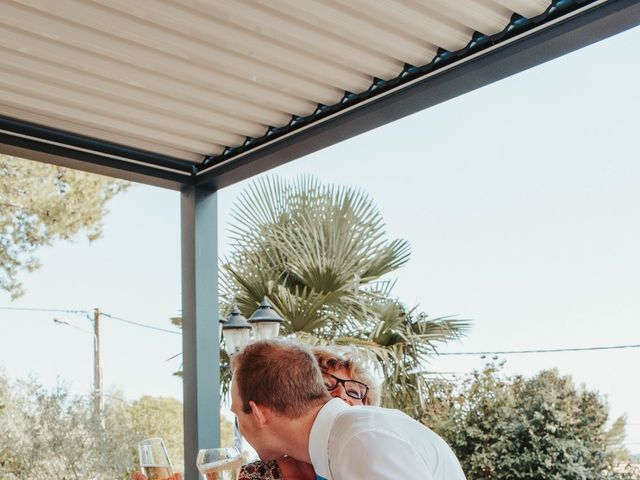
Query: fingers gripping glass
column 353, row 388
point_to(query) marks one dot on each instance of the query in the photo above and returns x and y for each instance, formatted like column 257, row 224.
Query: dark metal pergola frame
column 589, row 22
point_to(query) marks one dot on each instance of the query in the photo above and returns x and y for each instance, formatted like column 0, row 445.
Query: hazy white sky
column 520, row 201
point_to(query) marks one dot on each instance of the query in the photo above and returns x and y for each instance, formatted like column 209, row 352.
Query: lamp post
column 265, row 324
column 236, row 329
column 265, row 321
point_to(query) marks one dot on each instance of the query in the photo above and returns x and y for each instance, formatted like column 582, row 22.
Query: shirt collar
column 319, row 436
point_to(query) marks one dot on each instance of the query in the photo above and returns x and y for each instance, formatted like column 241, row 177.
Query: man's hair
column 330, row 362
column 280, row 375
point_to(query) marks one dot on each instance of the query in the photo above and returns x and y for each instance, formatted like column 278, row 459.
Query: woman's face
column 333, row 381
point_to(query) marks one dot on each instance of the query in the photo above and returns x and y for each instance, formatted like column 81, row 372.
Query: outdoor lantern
column 236, row 331
column 265, row 321
column 220, row 324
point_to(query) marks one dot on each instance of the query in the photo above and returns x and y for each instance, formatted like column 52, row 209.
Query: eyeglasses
column 353, row 388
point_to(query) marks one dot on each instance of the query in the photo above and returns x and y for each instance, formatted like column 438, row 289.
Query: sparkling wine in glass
column 219, row 463
column 154, row 459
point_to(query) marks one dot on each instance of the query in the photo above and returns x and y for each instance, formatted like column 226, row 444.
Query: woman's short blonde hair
column 330, row 361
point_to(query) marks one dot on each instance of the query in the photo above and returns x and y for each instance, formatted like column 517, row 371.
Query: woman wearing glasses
column 344, row 378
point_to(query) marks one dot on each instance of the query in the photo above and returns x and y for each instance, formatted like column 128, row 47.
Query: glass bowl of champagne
column 219, row 463
column 154, row 459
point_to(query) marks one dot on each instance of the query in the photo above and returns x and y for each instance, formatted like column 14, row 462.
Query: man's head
column 274, row 381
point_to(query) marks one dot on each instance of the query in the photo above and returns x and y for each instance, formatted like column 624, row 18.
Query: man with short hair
column 283, row 408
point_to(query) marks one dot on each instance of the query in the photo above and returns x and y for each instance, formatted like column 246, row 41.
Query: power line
column 545, row 350
column 49, row 310
column 62, row 322
column 505, row 352
column 86, row 312
column 173, row 356
column 143, row 325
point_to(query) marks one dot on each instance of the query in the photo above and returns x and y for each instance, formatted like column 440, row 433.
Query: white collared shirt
column 350, row 443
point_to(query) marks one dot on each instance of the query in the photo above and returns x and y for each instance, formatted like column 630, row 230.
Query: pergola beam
column 25, row 139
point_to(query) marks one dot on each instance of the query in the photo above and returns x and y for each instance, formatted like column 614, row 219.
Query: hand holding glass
column 219, row 463
column 154, row 459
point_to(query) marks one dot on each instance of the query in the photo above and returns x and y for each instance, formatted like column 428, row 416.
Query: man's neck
column 295, row 433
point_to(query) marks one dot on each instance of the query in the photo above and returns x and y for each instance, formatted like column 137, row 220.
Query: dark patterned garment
column 260, row 471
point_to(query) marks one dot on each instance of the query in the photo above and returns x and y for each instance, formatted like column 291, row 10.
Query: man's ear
column 259, row 413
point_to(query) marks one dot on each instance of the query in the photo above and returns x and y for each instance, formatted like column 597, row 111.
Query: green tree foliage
column 518, row 428
column 320, row 254
column 227, row 433
column 315, row 249
column 41, row 203
column 55, row 436
column 160, row 417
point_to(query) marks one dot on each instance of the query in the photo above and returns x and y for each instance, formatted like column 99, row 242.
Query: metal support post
column 200, row 331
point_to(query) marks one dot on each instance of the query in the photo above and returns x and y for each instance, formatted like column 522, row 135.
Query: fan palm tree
column 319, row 253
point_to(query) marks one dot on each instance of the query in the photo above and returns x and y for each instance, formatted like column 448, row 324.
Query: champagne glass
column 154, row 459
column 219, row 463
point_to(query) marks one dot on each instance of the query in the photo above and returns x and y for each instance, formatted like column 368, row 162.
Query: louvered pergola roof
column 182, row 92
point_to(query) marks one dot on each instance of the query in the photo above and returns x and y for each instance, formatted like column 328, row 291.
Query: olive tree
column 42, row 203
column 543, row 427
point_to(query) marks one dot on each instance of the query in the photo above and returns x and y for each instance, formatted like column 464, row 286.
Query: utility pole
column 97, row 368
